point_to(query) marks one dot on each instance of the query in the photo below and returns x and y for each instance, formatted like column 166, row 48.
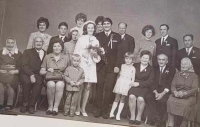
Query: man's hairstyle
column 165, row 25
column 43, row 20
column 107, row 20
column 38, row 37
column 63, row 24
column 81, row 16
column 148, row 27
column 99, row 19
column 190, row 35
column 146, row 52
column 162, row 54
column 123, row 23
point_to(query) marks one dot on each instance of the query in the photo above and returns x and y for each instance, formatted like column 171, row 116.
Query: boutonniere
column 167, row 71
column 111, row 40
column 193, row 51
column 145, row 70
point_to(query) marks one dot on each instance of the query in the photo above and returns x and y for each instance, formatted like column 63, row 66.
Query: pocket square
column 194, row 57
column 167, row 44
column 114, row 41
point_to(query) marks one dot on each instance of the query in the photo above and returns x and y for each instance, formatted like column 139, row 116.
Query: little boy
column 74, row 77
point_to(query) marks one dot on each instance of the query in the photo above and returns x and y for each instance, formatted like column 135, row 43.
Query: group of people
column 155, row 75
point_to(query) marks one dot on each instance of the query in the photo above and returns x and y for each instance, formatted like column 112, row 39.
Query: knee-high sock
column 114, row 106
column 121, row 106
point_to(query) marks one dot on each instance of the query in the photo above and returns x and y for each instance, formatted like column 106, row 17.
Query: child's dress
column 122, row 85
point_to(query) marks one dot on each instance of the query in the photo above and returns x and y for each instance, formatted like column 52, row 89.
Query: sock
column 121, row 106
column 114, row 106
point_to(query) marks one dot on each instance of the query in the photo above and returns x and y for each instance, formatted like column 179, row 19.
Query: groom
column 107, row 68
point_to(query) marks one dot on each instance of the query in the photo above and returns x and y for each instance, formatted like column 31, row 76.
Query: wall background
column 182, row 16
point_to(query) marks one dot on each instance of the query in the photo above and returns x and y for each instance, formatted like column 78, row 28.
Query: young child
column 123, row 84
column 74, row 77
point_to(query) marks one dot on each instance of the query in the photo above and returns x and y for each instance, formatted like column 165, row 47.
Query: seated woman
column 10, row 62
column 183, row 96
column 56, row 63
column 144, row 78
column 42, row 25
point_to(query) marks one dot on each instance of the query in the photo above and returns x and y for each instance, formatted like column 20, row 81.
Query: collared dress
column 142, row 45
column 50, row 62
column 46, row 38
column 88, row 65
column 15, row 59
column 183, row 106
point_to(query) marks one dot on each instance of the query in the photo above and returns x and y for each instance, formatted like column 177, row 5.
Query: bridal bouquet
column 96, row 52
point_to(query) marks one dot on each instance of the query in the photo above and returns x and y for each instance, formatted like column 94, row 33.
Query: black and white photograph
column 95, row 63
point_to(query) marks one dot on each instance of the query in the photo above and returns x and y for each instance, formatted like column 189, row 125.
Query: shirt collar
column 189, row 49
column 165, row 37
column 108, row 32
column 122, row 36
column 60, row 36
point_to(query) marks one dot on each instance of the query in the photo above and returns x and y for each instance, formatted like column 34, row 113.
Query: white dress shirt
column 41, row 53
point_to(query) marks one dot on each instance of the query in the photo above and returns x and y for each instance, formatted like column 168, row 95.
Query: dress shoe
column 71, row 114
column 77, row 113
column 84, row 114
column 8, row 107
column 105, row 115
column 31, row 110
column 23, row 109
column 54, row 113
column 48, row 112
column 131, row 122
column 97, row 114
column 137, row 122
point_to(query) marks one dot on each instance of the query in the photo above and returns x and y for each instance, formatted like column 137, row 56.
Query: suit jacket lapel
column 36, row 53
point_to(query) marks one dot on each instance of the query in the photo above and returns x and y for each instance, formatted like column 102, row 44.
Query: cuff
column 166, row 90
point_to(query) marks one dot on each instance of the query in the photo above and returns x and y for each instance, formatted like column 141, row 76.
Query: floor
column 90, row 118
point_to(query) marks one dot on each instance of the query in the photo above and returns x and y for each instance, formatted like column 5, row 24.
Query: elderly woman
column 89, row 58
column 144, row 78
column 80, row 19
column 54, row 64
column 183, row 94
column 42, row 25
column 99, row 23
column 10, row 62
column 146, row 43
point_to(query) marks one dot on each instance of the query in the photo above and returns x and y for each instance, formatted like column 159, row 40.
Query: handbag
column 55, row 76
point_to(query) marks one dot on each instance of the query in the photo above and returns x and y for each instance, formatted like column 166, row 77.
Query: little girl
column 123, row 84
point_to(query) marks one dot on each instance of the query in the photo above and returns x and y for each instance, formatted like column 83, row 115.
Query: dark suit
column 194, row 56
column 128, row 45
column 169, row 47
column 31, row 65
column 55, row 39
column 106, row 77
column 162, row 81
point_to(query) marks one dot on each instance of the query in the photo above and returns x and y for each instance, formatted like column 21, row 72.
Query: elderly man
column 127, row 41
column 107, row 68
column 30, row 79
column 157, row 98
column 166, row 45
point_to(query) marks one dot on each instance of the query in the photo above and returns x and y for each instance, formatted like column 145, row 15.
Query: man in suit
column 107, row 68
column 166, row 45
column 127, row 41
column 62, row 29
column 159, row 94
column 30, row 78
column 193, row 53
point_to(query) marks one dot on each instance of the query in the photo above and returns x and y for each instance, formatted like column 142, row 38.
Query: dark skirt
column 138, row 92
column 13, row 80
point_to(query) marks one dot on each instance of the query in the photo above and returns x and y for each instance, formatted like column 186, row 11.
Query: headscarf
column 14, row 49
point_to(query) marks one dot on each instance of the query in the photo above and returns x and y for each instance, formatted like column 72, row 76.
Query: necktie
column 107, row 34
column 162, row 41
column 188, row 52
column 161, row 70
column 62, row 38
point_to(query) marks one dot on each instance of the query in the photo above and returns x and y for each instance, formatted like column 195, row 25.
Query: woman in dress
column 88, row 62
column 10, row 62
column 55, row 61
column 144, row 78
column 146, row 43
column 42, row 25
column 182, row 100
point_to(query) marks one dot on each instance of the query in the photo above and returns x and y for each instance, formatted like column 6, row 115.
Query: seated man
column 157, row 99
column 30, row 78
